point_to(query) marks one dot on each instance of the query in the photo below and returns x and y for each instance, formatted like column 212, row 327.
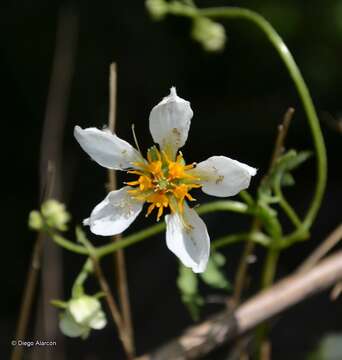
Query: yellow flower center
column 163, row 183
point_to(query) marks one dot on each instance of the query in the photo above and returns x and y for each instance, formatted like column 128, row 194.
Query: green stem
column 228, row 205
column 130, row 240
column 67, row 244
column 246, row 197
column 290, row 212
column 228, row 240
column 303, row 92
column 77, row 288
column 268, row 274
column 257, row 237
column 234, row 206
column 270, row 267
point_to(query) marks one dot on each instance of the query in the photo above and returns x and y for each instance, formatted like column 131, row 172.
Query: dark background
column 238, row 97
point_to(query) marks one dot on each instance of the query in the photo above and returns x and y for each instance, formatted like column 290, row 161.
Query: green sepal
column 59, row 303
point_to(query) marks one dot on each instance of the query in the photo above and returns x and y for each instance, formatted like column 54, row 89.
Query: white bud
column 69, row 327
column 55, row 215
column 82, row 314
column 210, row 34
column 35, row 220
column 156, row 8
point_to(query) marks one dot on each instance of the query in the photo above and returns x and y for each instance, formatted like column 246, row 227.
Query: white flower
column 82, row 314
column 164, row 181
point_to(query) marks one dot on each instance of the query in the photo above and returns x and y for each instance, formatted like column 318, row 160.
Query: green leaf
column 213, row 275
column 270, row 220
column 287, row 180
column 292, row 159
column 281, row 171
column 187, row 283
column 266, row 197
column 193, row 304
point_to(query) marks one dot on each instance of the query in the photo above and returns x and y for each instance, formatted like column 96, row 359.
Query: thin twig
column 241, row 273
column 33, row 272
column 114, row 309
column 119, row 256
column 336, row 291
column 332, row 240
column 282, row 133
column 28, row 296
column 46, row 325
column 250, row 245
column 202, row 338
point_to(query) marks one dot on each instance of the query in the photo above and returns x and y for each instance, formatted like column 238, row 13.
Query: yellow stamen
column 136, row 172
column 150, row 209
column 145, row 183
column 162, row 182
column 132, row 183
column 155, row 167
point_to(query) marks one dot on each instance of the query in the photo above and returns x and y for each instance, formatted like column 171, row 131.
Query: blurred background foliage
column 238, row 97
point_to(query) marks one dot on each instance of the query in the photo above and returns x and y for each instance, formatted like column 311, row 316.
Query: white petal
column 222, row 176
column 190, row 244
column 106, row 148
column 170, row 122
column 115, row 213
column 84, row 308
column 99, row 321
column 70, row 327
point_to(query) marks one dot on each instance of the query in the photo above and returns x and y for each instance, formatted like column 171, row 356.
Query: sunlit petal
column 115, row 213
column 222, row 176
column 106, row 148
column 170, row 122
column 188, row 239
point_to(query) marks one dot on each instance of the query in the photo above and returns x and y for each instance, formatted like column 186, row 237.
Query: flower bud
column 210, row 34
column 35, row 221
column 156, row 8
column 82, row 314
column 55, row 215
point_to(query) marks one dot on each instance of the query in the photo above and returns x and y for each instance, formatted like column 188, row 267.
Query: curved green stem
column 303, row 92
column 177, row 8
column 67, row 244
column 77, row 288
column 290, row 212
column 246, row 197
